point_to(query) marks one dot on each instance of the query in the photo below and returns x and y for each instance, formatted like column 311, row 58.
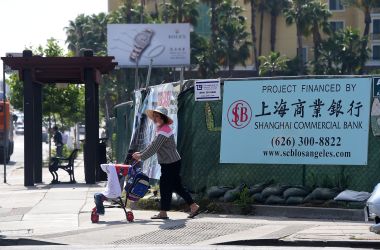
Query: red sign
column 239, row 114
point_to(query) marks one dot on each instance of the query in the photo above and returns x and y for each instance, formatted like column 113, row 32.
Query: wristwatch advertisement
column 144, row 45
column 142, row 41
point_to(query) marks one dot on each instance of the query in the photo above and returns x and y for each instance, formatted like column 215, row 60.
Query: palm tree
column 343, row 53
column 262, row 11
column 318, row 14
column 275, row 8
column 233, row 44
column 297, row 13
column 273, row 64
column 98, row 30
column 214, row 21
column 254, row 7
column 76, row 33
column 180, row 11
column 366, row 6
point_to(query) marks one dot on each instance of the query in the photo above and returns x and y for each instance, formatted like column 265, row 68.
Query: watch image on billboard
column 149, row 44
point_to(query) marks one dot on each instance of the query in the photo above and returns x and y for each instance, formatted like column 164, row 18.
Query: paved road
column 17, row 159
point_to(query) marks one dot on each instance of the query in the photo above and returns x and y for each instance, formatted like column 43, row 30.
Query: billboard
column 296, row 121
column 142, row 44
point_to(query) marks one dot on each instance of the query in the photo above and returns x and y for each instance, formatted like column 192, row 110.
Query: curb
column 309, row 212
column 303, row 243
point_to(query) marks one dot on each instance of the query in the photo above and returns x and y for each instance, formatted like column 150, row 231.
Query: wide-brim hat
column 160, row 110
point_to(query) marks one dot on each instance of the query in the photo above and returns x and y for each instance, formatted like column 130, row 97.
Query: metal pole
column 149, row 73
column 181, row 77
column 5, row 127
column 137, row 76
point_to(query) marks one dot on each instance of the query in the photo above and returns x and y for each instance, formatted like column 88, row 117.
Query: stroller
column 136, row 187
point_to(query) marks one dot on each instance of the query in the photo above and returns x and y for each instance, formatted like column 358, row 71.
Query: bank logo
column 239, row 114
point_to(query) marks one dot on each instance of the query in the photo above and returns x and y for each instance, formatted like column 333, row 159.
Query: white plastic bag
column 350, row 195
column 373, row 202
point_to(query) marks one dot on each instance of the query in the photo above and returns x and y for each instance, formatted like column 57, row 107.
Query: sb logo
column 239, row 114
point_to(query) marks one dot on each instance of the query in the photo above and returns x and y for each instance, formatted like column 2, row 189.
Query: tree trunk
column 317, row 45
column 165, row 12
column 253, row 30
column 142, row 11
column 180, row 14
column 214, row 27
column 300, row 50
column 156, row 8
column 367, row 20
column 273, row 31
column 129, row 13
column 261, row 28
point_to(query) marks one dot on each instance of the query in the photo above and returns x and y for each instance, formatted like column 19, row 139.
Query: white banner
column 164, row 95
column 142, row 44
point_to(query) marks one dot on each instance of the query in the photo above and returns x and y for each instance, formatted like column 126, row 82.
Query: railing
column 375, row 36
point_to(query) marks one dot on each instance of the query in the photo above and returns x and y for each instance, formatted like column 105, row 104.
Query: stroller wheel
column 130, row 216
column 94, row 216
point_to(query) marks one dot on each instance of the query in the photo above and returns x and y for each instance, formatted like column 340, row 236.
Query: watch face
column 142, row 41
column 143, row 38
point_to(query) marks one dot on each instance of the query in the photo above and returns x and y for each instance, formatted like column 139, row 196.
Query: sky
column 31, row 22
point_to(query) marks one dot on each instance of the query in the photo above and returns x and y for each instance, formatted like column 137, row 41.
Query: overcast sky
column 32, row 22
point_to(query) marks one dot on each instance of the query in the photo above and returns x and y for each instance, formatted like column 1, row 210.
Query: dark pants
column 99, row 198
column 170, row 182
column 59, row 150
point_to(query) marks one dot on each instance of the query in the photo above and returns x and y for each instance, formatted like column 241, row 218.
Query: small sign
column 207, row 90
column 8, row 69
column 376, row 86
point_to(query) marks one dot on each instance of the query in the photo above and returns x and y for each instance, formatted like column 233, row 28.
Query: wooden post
column 91, row 123
column 37, row 132
column 96, row 127
column 28, row 124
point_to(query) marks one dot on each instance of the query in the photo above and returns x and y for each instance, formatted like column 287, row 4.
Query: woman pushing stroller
column 168, row 157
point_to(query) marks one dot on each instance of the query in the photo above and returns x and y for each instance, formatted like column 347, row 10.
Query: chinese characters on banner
column 144, row 130
column 298, row 121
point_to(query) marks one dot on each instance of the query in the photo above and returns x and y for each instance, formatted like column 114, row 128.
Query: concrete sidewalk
column 60, row 214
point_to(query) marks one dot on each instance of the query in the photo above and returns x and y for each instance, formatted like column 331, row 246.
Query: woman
column 170, row 161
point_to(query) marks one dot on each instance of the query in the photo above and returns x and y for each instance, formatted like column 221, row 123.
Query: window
column 304, row 54
column 336, row 25
column 376, row 26
column 335, row 5
column 376, row 52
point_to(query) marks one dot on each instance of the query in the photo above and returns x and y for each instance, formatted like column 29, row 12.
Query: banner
column 144, row 44
column 144, row 130
column 296, row 121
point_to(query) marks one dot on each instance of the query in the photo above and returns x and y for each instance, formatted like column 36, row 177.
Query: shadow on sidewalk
column 26, row 242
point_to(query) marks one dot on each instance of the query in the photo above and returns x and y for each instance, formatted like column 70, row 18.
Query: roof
column 61, row 69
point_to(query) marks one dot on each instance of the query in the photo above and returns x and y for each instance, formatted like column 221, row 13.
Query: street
column 17, row 159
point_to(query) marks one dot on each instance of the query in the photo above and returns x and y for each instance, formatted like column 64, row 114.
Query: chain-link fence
column 199, row 133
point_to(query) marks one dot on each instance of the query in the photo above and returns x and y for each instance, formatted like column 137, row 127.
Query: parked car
column 20, row 129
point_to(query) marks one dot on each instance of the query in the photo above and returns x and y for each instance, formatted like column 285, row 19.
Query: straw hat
column 161, row 110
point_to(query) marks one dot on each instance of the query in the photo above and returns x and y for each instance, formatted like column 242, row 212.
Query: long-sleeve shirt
column 164, row 146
